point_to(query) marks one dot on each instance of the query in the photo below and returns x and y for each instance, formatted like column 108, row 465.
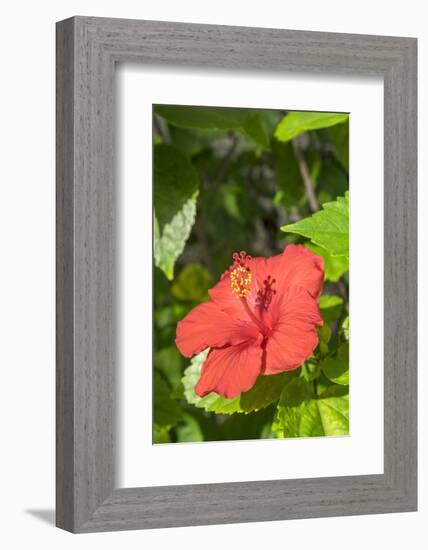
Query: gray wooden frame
column 87, row 50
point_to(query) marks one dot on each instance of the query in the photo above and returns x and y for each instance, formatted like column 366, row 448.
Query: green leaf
column 323, row 384
column 324, row 335
column 301, row 414
column 211, row 402
column 170, row 244
column 233, row 200
column 333, row 407
column 161, row 434
column 270, row 119
column 255, row 129
column 345, row 328
column 185, row 116
column 297, row 122
column 334, row 266
column 168, row 316
column 311, row 368
column 332, row 180
column 336, row 367
column 166, row 411
column 175, row 191
column 265, row 391
column 192, row 284
column 292, row 407
column 339, row 138
column 288, row 173
column 168, row 361
column 247, row 121
column 188, row 430
column 192, row 141
column 175, row 182
column 328, row 228
column 331, row 307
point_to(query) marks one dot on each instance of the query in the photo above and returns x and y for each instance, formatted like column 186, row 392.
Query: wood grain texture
column 64, row 277
column 87, row 50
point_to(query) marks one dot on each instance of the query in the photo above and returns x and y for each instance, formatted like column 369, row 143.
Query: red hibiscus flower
column 261, row 319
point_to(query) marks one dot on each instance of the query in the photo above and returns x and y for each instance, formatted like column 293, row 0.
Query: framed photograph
column 236, row 274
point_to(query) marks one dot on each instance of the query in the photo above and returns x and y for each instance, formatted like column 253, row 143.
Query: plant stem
column 306, row 176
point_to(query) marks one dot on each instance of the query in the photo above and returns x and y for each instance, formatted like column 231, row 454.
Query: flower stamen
column 240, row 275
column 240, row 284
column 240, row 281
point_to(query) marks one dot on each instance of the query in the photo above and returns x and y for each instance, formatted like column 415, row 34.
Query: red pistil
column 265, row 295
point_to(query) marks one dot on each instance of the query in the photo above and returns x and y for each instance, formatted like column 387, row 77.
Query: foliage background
column 237, row 179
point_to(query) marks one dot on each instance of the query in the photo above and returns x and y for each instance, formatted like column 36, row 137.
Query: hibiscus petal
column 231, row 370
column 228, row 302
column 207, row 326
column 294, row 336
column 297, row 266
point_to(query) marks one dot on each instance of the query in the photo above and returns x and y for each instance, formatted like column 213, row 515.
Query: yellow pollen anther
column 240, row 281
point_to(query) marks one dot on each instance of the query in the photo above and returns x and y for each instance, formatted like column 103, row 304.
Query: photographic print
column 250, row 274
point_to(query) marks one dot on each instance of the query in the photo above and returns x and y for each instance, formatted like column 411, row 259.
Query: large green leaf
column 297, row 122
column 330, row 307
column 328, row 228
column 336, row 366
column 175, row 191
column 211, row 402
column 265, row 391
column 166, row 410
column 247, row 121
column 175, row 182
column 255, row 129
column 292, row 408
column 169, row 244
column 185, row 116
column 334, row 266
column 192, row 141
column 301, row 414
